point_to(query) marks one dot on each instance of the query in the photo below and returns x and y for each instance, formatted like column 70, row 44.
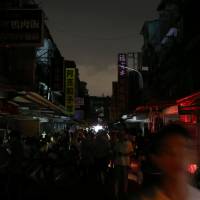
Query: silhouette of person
column 171, row 152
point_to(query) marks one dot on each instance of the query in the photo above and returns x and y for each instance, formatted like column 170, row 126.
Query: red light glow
column 188, row 99
column 188, row 119
column 192, row 168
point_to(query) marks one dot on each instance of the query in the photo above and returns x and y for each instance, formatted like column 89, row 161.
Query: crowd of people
column 96, row 157
column 106, row 158
column 103, row 154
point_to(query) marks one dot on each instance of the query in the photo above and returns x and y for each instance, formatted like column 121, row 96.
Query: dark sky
column 93, row 32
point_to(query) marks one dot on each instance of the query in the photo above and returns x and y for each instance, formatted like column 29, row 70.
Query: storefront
column 170, row 114
column 189, row 114
column 154, row 112
column 31, row 114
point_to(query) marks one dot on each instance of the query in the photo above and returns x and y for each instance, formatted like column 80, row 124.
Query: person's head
column 171, row 151
column 123, row 135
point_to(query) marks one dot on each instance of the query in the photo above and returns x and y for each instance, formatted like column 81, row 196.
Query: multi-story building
column 49, row 70
column 127, row 91
column 191, row 42
column 114, row 106
column 170, row 50
column 19, row 38
column 29, row 57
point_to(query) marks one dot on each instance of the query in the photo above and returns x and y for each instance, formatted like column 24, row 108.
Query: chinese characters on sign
column 70, row 91
column 122, row 64
column 123, row 80
column 21, row 27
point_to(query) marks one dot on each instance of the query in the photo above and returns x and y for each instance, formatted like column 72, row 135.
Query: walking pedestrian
column 102, row 155
column 123, row 152
column 171, row 153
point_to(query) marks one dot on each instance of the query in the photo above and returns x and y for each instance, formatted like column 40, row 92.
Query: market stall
column 189, row 114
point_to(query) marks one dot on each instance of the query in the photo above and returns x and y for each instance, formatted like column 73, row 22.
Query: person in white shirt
column 171, row 152
column 123, row 151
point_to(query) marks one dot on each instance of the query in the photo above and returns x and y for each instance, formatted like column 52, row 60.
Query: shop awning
column 193, row 99
column 190, row 104
column 41, row 100
column 34, row 99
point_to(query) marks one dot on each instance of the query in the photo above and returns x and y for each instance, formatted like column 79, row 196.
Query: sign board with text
column 122, row 65
column 21, row 27
column 70, row 102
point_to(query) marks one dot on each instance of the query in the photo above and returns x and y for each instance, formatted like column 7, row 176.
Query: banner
column 70, row 91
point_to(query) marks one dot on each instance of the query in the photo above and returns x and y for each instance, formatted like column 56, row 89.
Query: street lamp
column 141, row 81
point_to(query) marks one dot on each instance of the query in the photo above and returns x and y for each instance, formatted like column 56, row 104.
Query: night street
column 99, row 100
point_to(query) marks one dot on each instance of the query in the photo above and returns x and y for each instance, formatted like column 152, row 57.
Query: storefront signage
column 122, row 65
column 70, row 91
column 21, row 27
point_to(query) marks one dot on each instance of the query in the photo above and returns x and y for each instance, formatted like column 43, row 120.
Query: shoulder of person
column 194, row 193
column 128, row 141
column 145, row 194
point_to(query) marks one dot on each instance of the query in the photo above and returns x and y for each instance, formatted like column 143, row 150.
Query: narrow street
column 99, row 100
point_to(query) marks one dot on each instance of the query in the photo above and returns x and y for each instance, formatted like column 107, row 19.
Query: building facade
column 170, row 51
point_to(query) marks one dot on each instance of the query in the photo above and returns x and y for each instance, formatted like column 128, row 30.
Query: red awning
column 189, row 100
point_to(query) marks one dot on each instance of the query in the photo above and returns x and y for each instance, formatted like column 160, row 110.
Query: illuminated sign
column 21, row 27
column 70, row 91
column 122, row 65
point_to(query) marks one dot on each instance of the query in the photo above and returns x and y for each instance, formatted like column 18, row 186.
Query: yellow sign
column 70, row 91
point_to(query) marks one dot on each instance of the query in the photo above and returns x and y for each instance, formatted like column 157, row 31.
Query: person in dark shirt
column 15, row 166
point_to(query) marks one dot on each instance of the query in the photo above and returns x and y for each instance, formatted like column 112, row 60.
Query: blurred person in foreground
column 172, row 152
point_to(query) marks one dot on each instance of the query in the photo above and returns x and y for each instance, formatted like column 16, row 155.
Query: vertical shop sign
column 122, row 65
column 70, row 91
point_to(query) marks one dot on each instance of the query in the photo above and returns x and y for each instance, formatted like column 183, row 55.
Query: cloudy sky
column 93, row 32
